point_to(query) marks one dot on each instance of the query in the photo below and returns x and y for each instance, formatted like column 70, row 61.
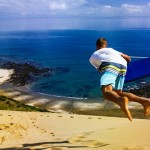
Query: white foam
column 59, row 96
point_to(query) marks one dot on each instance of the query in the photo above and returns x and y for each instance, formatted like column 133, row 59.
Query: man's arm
column 126, row 57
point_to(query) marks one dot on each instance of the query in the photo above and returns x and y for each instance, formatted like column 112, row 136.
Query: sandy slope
column 62, row 131
column 55, row 131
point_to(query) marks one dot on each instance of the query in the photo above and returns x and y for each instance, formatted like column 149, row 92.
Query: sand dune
column 57, row 131
column 64, row 131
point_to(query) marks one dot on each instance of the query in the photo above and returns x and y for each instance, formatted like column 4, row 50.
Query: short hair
column 101, row 42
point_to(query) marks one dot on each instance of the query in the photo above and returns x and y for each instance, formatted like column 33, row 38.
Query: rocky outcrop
column 26, row 73
column 141, row 89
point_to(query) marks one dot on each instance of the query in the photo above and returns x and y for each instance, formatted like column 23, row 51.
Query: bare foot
column 123, row 103
column 146, row 106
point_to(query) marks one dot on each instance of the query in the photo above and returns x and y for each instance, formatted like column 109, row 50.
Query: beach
column 52, row 97
column 61, row 104
column 103, row 127
column 58, row 131
column 5, row 75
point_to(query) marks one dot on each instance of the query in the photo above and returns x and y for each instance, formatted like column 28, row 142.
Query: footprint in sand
column 133, row 148
column 13, row 130
column 88, row 133
column 43, row 130
column 56, row 148
column 77, row 139
column 80, row 139
column 60, row 116
column 90, row 118
column 95, row 143
column 110, row 128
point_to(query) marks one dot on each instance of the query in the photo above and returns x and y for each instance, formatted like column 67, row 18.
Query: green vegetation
column 10, row 104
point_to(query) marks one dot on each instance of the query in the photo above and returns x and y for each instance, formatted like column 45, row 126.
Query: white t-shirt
column 107, row 55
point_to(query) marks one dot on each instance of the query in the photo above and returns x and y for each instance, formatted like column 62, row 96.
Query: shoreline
column 62, row 104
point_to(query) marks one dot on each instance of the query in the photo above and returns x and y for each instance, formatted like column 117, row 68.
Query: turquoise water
column 70, row 49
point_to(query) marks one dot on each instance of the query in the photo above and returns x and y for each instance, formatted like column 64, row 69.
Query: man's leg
column 145, row 102
column 111, row 95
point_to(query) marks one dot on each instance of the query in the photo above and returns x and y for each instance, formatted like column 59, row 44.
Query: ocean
column 70, row 49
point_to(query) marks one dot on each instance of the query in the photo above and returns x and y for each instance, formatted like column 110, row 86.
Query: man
column 113, row 66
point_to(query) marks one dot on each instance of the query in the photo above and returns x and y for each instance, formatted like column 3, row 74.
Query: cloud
column 69, row 8
column 57, row 6
column 107, row 6
column 132, row 8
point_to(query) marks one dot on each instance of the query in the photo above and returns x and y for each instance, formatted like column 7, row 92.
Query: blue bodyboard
column 138, row 69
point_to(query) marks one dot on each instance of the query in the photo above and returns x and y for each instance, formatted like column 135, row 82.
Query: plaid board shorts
column 112, row 74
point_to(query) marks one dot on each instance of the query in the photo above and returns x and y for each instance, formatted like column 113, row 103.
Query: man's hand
column 126, row 57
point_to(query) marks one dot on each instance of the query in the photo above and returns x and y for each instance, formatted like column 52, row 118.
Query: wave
column 58, row 96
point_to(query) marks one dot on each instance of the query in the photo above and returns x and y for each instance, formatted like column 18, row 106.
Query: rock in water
column 26, row 73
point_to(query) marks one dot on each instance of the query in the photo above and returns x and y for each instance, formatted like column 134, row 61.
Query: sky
column 66, row 14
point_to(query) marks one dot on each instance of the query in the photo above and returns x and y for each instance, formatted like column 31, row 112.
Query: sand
column 64, row 131
column 59, row 131
column 5, row 75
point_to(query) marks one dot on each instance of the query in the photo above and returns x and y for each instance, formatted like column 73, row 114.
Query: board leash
column 138, row 57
